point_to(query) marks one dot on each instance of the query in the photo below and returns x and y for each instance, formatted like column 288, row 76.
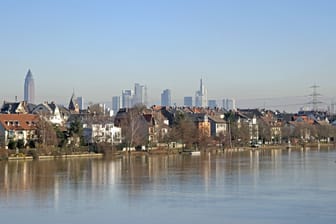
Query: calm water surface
column 278, row 186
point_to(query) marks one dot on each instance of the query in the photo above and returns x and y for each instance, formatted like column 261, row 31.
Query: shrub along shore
column 40, row 154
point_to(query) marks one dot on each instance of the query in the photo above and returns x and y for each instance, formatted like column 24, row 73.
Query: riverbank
column 82, row 155
column 154, row 151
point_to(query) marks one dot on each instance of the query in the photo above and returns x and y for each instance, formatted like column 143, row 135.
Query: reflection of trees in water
column 138, row 176
column 19, row 178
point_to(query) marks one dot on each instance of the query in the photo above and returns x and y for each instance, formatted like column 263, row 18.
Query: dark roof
column 73, row 105
column 250, row 113
column 52, row 106
column 216, row 119
column 9, row 108
column 199, row 117
column 12, row 107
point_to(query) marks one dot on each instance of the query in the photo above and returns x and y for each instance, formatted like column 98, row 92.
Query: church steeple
column 73, row 104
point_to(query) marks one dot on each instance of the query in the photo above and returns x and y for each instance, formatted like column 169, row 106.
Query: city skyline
column 138, row 95
column 261, row 53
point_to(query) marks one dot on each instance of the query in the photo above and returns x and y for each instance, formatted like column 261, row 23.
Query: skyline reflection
column 134, row 175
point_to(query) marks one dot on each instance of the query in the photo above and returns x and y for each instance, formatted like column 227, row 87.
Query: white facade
column 50, row 112
column 17, row 127
column 102, row 133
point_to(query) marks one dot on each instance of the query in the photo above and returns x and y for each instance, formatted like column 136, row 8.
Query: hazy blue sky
column 266, row 51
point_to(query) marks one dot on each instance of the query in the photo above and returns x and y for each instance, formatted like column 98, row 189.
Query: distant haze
column 261, row 53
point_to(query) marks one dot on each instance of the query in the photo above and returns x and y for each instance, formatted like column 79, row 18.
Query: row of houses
column 24, row 121
column 20, row 120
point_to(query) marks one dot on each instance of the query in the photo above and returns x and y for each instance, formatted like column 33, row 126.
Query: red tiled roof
column 18, row 121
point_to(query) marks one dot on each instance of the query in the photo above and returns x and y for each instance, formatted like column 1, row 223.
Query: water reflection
column 229, row 181
column 135, row 174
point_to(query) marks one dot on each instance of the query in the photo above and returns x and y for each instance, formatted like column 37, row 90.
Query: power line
column 315, row 95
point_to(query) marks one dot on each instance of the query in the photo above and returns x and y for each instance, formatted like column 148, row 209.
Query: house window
column 11, row 134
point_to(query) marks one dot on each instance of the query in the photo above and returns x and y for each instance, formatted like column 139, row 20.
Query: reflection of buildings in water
column 22, row 177
column 207, row 172
column 49, row 180
column 103, row 174
column 276, row 161
column 254, row 166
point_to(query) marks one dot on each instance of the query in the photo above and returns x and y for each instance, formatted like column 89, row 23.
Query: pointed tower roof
column 29, row 74
column 73, row 104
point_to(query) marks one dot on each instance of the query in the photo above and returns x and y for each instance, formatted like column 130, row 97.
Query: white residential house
column 17, row 127
column 96, row 133
column 49, row 111
column 218, row 126
column 253, row 129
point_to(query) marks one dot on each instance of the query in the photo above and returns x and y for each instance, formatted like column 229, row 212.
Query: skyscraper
column 140, row 94
column 80, row 101
column 229, row 104
column 29, row 88
column 116, row 104
column 188, row 101
column 127, row 98
column 201, row 96
column 212, row 104
column 166, row 98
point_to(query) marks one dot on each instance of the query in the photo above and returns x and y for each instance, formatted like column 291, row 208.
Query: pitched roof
column 73, row 104
column 18, row 121
column 217, row 119
column 9, row 108
column 250, row 113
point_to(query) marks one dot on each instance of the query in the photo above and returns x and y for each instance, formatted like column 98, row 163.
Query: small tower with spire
column 73, row 104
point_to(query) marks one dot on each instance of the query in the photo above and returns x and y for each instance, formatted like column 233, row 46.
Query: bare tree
column 134, row 127
column 324, row 132
column 204, row 139
column 240, row 133
column 46, row 133
column 166, row 137
column 286, row 133
column 264, row 131
column 185, row 130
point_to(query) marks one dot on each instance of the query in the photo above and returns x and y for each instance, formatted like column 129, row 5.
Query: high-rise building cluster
column 138, row 96
column 130, row 98
column 201, row 99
